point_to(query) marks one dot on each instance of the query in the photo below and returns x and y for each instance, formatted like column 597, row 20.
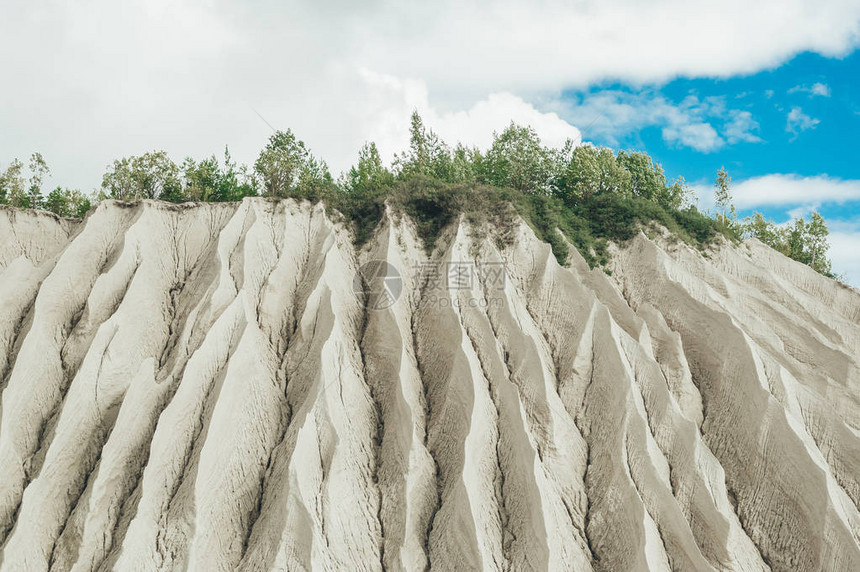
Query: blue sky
column 787, row 136
column 767, row 88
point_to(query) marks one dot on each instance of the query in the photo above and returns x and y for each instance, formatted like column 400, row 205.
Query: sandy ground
column 200, row 387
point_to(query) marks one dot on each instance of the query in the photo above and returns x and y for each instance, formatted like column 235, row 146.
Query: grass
column 589, row 225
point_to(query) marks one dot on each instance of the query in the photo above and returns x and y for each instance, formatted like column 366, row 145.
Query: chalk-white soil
column 200, row 387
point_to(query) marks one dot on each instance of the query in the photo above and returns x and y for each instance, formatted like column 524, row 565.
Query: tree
column 285, row 166
column 208, row 181
column 799, row 240
column 417, row 160
column 369, row 173
column 13, row 186
column 466, row 164
column 647, row 179
column 794, row 240
column 723, row 195
column 119, row 180
column 38, row 170
column 57, row 202
column 817, row 244
column 517, row 160
column 678, row 195
column 315, row 180
column 158, row 177
column 765, row 230
column 152, row 175
column 235, row 183
column 427, row 156
column 202, row 180
column 79, row 204
column 588, row 171
column 67, row 203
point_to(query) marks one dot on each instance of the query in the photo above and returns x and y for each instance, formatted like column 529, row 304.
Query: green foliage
column 431, row 203
column 466, row 165
column 434, row 204
column 67, row 202
column 817, row 245
column 517, row 160
column 287, row 169
column 547, row 216
column 364, row 190
column 723, row 194
column 699, row 227
column 763, row 229
column 155, row 176
column 617, row 218
column 207, row 180
column 678, row 195
column 201, row 179
column 647, row 179
column 149, row 176
column 427, row 156
column 13, row 190
column 369, row 174
column 20, row 191
column 38, row 170
column 586, row 171
column 581, row 194
column 800, row 240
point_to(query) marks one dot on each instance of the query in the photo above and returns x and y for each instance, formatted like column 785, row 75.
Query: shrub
column 581, row 195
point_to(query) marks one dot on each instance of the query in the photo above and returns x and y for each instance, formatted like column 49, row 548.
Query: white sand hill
column 199, row 388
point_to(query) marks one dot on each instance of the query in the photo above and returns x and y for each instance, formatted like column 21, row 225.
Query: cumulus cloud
column 741, row 127
column 90, row 80
column 819, row 89
column 799, row 196
column 801, row 211
column 797, row 122
column 549, row 41
column 844, row 253
column 788, row 189
column 387, row 125
column 798, row 193
column 699, row 136
column 692, row 122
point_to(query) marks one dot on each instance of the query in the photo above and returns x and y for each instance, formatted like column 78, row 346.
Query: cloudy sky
column 770, row 89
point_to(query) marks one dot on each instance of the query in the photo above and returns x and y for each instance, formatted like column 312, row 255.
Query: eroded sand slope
column 200, row 388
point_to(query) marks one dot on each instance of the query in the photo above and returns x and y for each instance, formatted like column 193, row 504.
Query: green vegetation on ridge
column 592, row 195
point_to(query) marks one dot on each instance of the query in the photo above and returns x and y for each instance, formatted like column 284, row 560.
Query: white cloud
column 845, row 251
column 699, row 136
column 541, row 43
column 788, row 190
column 741, row 127
column 802, row 211
column 613, row 114
column 90, row 80
column 388, row 125
column 476, row 125
column 797, row 122
column 819, row 89
column 799, row 194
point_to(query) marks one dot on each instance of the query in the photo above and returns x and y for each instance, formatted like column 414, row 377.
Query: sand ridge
column 200, row 387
